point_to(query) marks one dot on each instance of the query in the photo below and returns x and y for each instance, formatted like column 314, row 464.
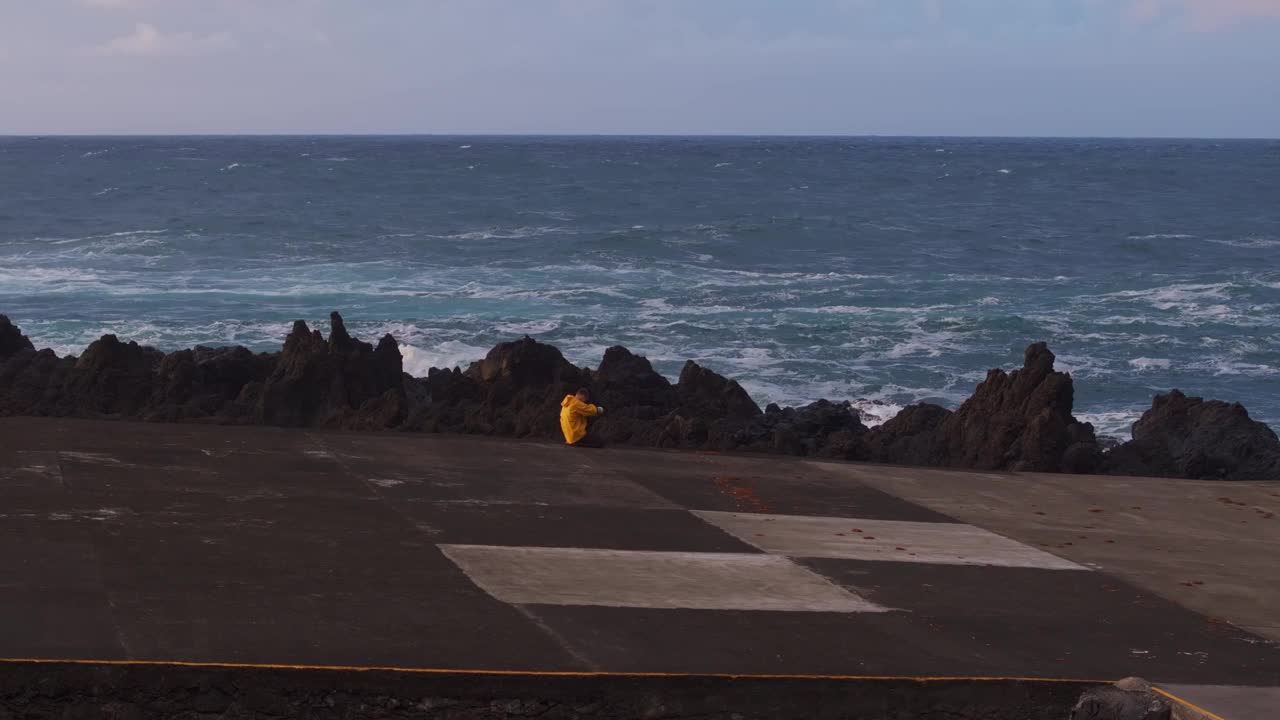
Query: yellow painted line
column 1189, row 705
column 527, row 673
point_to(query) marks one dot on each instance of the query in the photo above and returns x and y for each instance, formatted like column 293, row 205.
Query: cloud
column 146, row 40
column 1207, row 15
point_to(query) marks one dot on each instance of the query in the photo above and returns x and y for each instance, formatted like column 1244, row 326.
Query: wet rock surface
column 1020, row 420
column 11, row 338
column 1190, row 437
column 341, row 382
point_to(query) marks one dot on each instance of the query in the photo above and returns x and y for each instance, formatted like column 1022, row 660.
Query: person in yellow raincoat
column 574, row 411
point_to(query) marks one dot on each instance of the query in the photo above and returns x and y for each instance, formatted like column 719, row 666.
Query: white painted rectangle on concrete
column 664, row 580
column 890, row 540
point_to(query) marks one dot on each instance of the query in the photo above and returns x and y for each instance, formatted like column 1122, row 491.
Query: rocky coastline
column 1019, row 420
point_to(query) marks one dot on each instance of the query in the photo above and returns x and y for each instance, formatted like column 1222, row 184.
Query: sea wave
column 876, row 412
column 983, row 278
column 105, row 236
column 1176, row 293
column 444, row 355
column 1111, row 423
column 25, row 279
column 1144, row 363
column 924, row 344
column 503, row 233
column 1251, row 243
column 1083, row 366
column 527, row 327
column 1220, row 366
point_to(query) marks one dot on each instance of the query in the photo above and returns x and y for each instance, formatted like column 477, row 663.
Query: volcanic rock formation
column 1015, row 421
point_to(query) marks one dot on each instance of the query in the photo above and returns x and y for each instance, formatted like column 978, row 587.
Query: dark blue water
column 879, row 269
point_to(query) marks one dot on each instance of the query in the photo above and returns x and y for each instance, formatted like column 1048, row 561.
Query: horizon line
column 610, row 134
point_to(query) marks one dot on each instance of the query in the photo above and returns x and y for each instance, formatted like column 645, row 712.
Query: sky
column 1114, row 68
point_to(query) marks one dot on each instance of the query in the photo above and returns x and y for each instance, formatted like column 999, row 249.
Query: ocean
column 880, row 270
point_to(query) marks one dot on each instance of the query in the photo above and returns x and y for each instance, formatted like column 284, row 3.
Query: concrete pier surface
column 264, row 546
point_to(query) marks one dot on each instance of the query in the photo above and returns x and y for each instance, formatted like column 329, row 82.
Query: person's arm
column 587, row 409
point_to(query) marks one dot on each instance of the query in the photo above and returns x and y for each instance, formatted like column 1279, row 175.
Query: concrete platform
column 1210, row 546
column 268, row 546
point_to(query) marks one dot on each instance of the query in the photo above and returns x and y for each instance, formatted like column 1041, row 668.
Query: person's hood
column 568, row 400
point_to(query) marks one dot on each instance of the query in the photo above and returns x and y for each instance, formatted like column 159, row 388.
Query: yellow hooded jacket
column 573, row 418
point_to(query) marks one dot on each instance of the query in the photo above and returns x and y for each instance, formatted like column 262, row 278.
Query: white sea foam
column 723, row 164
column 501, row 233
column 1004, row 171
column 892, row 228
column 106, row 236
column 789, row 394
column 723, row 277
column 1145, row 363
column 979, row 278
column 835, row 310
column 926, row 344
column 528, row 327
column 655, row 306
column 1112, row 423
column 51, row 278
column 561, row 215
column 1081, row 366
column 1178, row 292
column 339, row 159
column 476, row 291
column 1227, row 366
column 1194, row 305
column 232, row 166
column 875, row 404
column 876, row 412
column 751, row 361
column 447, row 354
column 464, row 147
column 1162, row 236
column 1251, row 243
column 105, row 191
column 715, row 309
column 1137, row 320
column 129, row 233
column 262, row 336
